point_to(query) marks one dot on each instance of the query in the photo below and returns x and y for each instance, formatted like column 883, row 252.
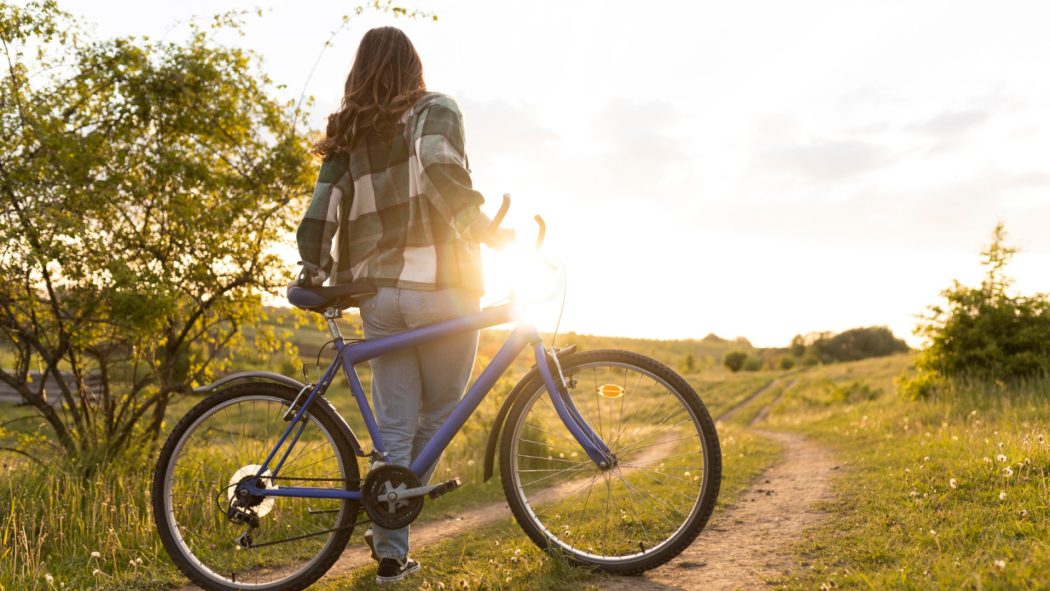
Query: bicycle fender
column 266, row 376
column 523, row 385
column 501, row 417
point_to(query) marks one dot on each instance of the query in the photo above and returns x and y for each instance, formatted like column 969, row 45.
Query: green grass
column 52, row 520
column 948, row 494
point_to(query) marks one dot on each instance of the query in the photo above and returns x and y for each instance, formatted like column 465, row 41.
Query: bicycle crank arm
column 434, row 490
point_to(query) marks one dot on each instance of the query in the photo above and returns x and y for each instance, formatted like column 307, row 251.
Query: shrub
column 752, row 364
column 985, row 332
column 787, row 362
column 734, row 360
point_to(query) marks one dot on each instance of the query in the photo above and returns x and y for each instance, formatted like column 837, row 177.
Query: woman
column 394, row 194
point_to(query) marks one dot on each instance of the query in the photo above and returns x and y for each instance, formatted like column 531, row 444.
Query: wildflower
column 50, row 580
column 926, row 459
column 933, row 532
column 1002, row 495
column 1001, row 458
column 1041, row 438
column 999, row 564
column 987, row 460
column 953, row 483
column 96, row 555
column 96, row 572
column 1024, row 512
column 1008, row 471
column 138, row 561
column 1001, row 445
column 914, row 493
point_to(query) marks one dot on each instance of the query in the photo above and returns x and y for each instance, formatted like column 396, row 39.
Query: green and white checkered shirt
column 401, row 212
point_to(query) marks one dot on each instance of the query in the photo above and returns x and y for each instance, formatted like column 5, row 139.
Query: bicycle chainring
column 379, row 497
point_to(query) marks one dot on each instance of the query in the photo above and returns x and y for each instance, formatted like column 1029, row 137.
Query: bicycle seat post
column 330, row 315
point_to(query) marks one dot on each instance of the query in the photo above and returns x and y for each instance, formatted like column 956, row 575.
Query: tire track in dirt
column 750, row 542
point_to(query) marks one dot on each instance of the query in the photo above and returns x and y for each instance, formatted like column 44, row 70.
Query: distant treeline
column 820, row 348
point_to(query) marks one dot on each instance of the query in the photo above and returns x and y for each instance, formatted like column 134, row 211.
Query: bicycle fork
column 588, row 439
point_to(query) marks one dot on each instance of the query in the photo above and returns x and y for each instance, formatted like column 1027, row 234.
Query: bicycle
column 236, row 509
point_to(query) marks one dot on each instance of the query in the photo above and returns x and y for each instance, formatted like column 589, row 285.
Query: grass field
column 944, row 494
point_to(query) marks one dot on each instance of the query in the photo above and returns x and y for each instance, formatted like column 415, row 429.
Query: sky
column 750, row 168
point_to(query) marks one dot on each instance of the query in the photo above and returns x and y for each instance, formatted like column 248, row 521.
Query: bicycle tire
column 338, row 436
column 540, row 512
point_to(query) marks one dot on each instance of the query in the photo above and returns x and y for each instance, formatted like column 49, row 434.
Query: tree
column 143, row 184
column 734, row 360
column 986, row 332
column 798, row 346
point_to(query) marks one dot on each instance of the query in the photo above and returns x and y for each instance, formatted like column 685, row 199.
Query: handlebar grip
column 543, row 231
column 496, row 221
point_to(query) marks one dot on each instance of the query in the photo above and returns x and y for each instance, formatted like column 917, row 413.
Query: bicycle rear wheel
column 643, row 511
column 223, row 440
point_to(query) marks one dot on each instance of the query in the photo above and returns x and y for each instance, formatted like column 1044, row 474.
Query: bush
column 984, row 332
column 859, row 343
column 734, row 360
column 752, row 364
column 787, row 362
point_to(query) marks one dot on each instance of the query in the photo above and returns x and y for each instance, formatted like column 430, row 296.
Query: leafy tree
column 858, row 343
column 142, row 186
column 734, row 360
column 986, row 332
column 798, row 346
column 787, row 362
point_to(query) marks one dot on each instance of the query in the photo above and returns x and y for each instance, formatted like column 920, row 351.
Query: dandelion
column 50, row 580
column 1001, row 445
column 1024, row 512
column 953, row 483
column 1001, row 458
column 96, row 572
column 999, row 564
column 1040, row 438
column 1002, row 495
column 926, row 459
column 138, row 561
column 96, row 555
column 933, row 532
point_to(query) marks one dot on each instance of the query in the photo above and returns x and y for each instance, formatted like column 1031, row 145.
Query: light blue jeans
column 414, row 390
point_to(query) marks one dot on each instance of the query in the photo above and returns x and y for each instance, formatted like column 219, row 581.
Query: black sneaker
column 392, row 569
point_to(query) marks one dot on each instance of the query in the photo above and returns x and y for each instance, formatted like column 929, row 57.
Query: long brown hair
column 385, row 80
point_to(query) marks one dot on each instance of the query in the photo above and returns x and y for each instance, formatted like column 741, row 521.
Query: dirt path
column 750, row 542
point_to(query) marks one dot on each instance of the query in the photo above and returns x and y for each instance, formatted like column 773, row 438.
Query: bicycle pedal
column 445, row 487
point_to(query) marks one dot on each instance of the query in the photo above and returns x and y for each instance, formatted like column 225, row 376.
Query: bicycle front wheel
column 222, row 441
column 641, row 512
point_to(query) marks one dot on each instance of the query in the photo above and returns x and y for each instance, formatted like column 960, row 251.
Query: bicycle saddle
column 317, row 299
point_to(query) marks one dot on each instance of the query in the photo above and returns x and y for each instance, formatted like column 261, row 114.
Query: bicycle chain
column 310, row 535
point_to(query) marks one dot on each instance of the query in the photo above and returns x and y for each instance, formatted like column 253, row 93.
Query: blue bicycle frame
column 348, row 355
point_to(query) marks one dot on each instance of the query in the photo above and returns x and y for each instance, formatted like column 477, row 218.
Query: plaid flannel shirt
column 400, row 212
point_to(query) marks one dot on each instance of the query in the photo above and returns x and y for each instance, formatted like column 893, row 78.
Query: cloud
column 952, row 123
column 501, row 128
column 821, row 160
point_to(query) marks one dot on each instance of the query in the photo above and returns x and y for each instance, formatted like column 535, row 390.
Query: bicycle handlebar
column 498, row 219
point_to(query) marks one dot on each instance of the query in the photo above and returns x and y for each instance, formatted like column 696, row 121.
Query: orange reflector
column 610, row 390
